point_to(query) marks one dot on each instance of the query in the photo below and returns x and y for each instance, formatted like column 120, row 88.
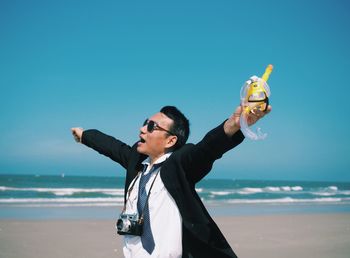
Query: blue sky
column 110, row 64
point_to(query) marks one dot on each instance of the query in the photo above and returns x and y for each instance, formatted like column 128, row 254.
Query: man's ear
column 171, row 141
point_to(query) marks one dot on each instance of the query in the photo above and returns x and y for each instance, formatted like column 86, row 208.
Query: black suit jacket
column 180, row 172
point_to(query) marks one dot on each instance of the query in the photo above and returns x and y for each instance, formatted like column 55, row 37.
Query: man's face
column 154, row 144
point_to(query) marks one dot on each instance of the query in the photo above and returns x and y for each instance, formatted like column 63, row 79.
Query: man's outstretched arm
column 199, row 158
column 104, row 144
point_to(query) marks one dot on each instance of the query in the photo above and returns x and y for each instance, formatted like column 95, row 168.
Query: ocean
column 60, row 197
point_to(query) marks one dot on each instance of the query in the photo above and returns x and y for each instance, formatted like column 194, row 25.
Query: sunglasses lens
column 150, row 126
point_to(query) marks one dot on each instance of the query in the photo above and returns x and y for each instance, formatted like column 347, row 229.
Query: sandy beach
column 280, row 236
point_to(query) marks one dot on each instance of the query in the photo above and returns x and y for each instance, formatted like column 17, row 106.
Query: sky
column 110, row 64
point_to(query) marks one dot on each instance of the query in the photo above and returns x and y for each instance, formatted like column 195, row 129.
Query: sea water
column 38, row 196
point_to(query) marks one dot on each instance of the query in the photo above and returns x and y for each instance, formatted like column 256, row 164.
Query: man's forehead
column 161, row 119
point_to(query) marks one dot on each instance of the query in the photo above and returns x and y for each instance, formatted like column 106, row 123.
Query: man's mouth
column 142, row 140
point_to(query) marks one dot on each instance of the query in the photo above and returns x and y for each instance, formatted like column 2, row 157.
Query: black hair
column 180, row 126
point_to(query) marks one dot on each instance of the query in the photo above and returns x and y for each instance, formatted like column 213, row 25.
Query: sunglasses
column 151, row 126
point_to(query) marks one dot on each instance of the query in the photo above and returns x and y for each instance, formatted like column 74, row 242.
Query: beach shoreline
column 278, row 235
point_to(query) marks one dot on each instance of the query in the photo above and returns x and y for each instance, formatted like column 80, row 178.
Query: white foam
column 95, row 202
column 250, row 190
column 60, row 200
column 286, row 200
column 67, row 191
column 323, row 194
column 332, row 188
column 268, row 189
column 296, row 188
column 286, row 188
column 272, row 188
column 220, row 193
column 345, row 192
column 66, row 205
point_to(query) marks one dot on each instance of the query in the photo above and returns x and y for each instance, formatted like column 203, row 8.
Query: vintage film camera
column 129, row 224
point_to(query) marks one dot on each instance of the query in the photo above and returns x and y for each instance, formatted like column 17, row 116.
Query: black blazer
column 180, row 172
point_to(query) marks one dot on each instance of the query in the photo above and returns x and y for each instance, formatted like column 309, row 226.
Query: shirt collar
column 161, row 159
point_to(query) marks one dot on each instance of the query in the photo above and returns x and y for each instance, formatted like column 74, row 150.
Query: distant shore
column 264, row 236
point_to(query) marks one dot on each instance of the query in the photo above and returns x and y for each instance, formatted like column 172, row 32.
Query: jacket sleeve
column 107, row 145
column 198, row 159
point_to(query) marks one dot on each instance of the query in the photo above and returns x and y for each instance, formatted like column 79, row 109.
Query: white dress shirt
column 165, row 219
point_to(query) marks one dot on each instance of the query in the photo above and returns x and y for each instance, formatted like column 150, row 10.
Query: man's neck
column 155, row 159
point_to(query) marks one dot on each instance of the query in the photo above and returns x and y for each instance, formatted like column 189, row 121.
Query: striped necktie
column 142, row 208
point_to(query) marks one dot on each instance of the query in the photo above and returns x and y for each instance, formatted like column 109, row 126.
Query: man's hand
column 77, row 133
column 232, row 125
column 255, row 116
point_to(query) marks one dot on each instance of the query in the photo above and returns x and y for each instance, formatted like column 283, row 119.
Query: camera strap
column 149, row 191
column 130, row 189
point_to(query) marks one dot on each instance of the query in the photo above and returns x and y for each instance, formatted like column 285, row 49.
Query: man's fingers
column 269, row 108
column 77, row 133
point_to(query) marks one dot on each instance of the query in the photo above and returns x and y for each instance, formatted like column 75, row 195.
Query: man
column 161, row 174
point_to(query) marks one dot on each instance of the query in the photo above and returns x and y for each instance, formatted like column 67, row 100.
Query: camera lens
column 120, row 224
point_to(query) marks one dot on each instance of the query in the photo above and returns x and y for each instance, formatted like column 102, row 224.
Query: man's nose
column 143, row 129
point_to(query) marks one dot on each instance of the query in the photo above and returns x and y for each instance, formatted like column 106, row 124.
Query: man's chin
column 140, row 150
